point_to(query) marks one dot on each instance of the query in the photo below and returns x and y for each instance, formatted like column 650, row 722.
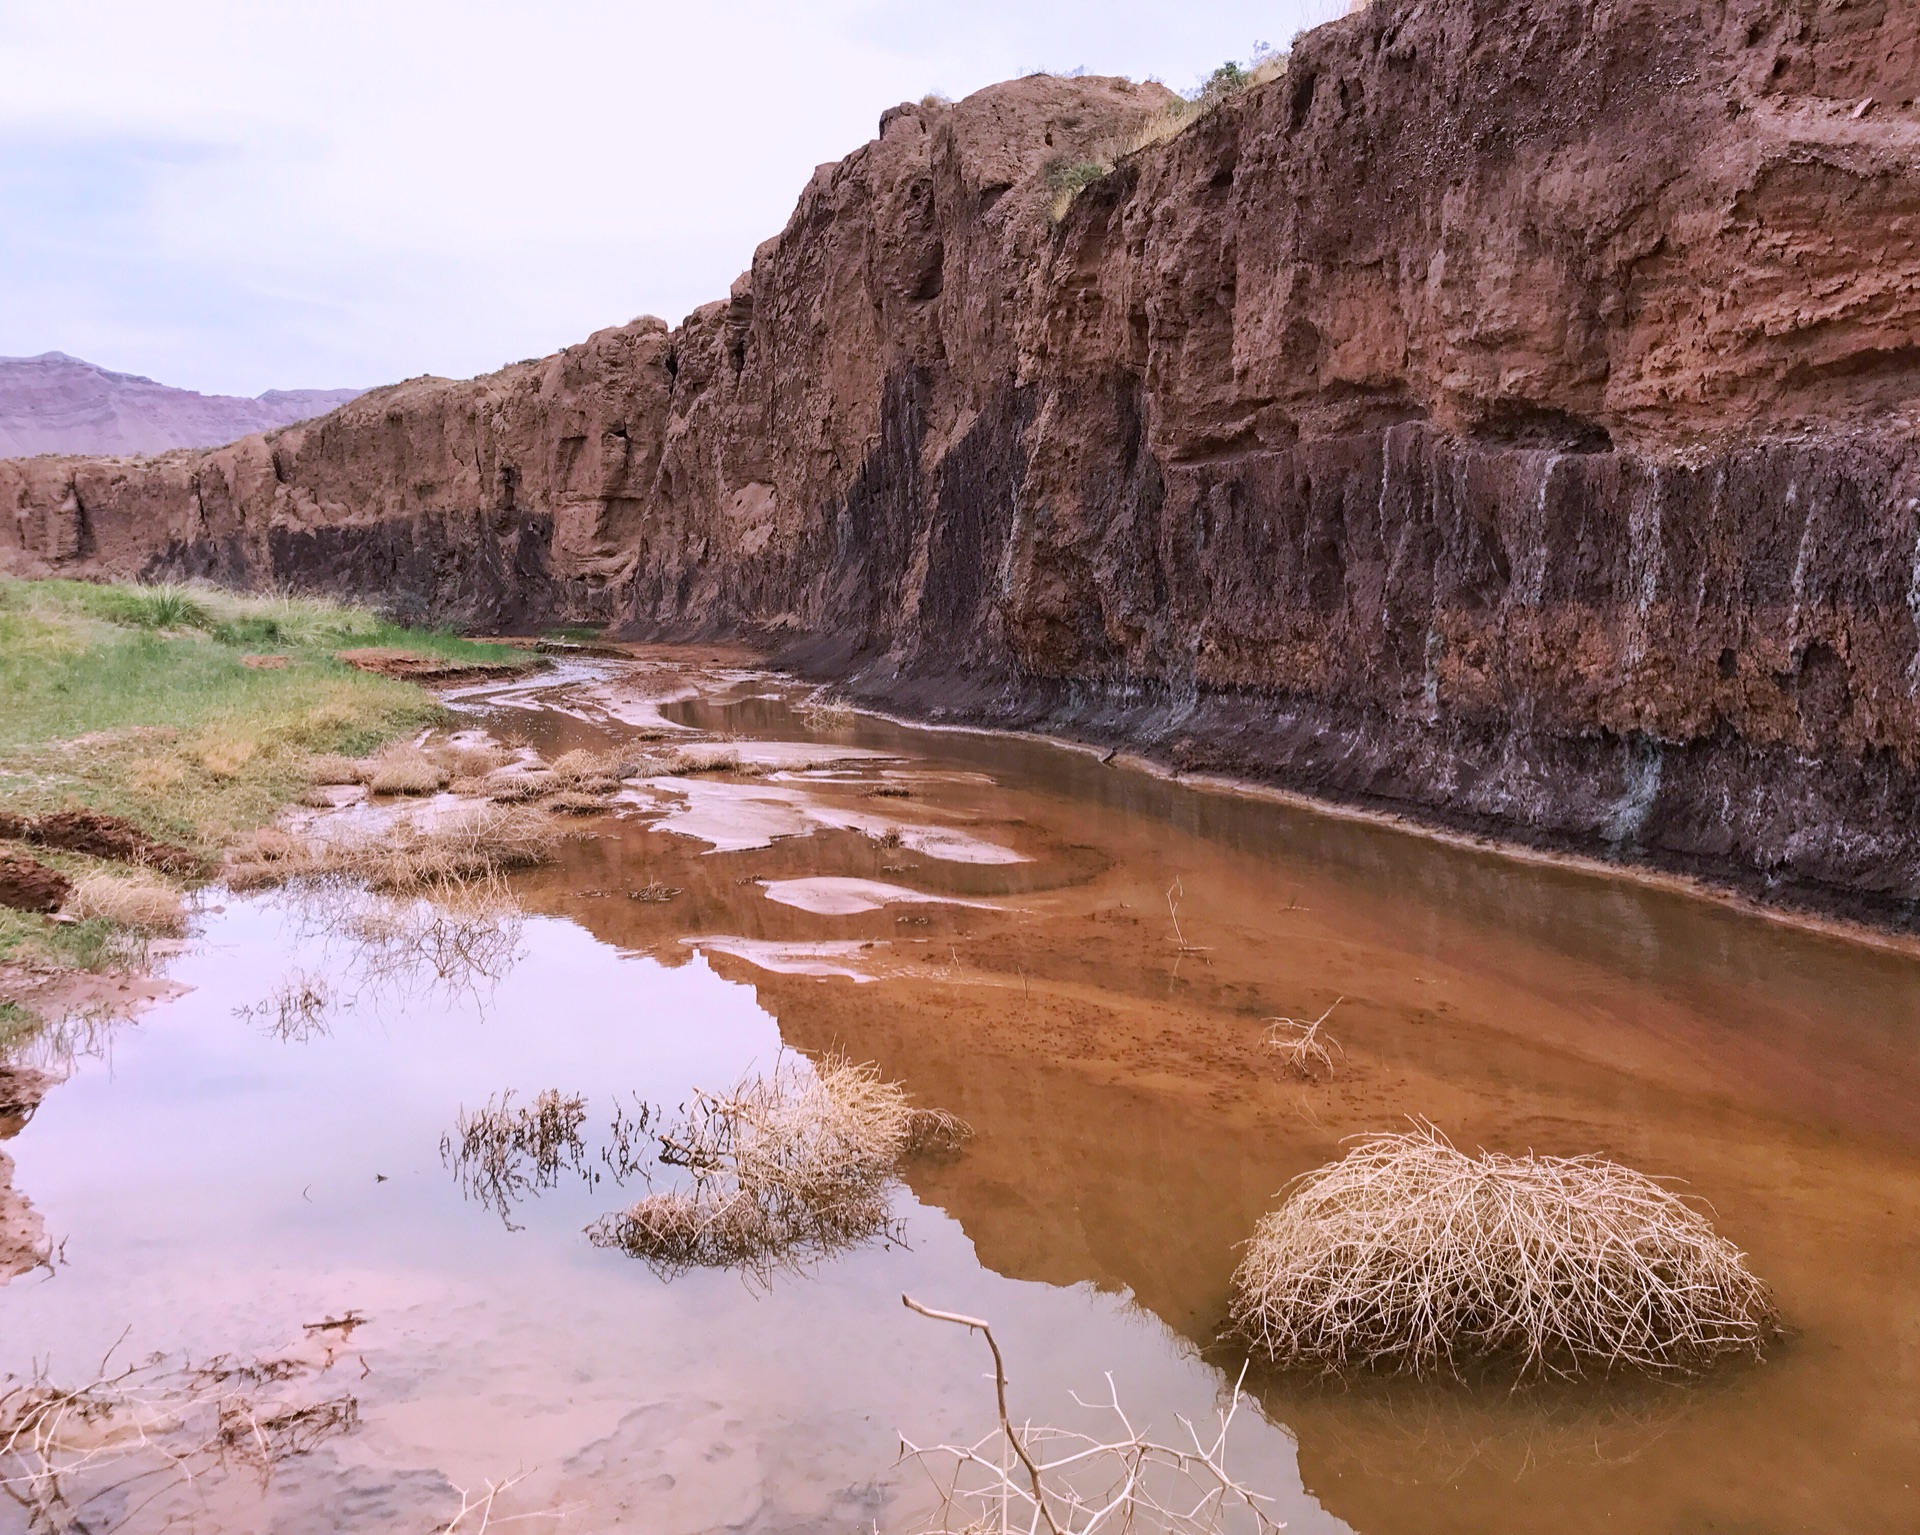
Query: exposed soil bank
column 1506, row 417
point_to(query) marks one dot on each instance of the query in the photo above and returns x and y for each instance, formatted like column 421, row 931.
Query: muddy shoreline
column 1128, row 728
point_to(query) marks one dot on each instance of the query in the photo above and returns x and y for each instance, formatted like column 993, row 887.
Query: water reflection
column 503, row 1152
column 1133, row 1124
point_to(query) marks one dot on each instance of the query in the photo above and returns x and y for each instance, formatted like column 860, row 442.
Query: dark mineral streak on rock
column 1505, row 417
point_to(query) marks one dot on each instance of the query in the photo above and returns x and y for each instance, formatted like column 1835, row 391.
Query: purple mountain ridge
column 54, row 403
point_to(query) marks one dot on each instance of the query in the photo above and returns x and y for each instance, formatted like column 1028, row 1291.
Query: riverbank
column 144, row 730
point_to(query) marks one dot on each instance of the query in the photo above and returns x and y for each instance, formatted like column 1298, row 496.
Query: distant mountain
column 54, row 403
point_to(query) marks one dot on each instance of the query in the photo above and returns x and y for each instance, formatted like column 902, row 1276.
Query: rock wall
column 1505, row 416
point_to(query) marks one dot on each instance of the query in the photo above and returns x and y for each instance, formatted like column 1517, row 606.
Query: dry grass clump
column 331, row 768
column 405, row 770
column 792, row 1165
column 824, row 711
column 1408, row 1254
column 580, row 769
column 144, row 905
column 573, row 804
column 517, row 786
column 466, row 760
column 478, row 843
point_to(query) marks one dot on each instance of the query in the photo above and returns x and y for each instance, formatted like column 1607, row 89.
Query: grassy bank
column 189, row 711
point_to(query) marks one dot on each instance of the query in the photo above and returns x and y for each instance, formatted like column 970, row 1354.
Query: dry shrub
column 405, row 770
column 823, row 712
column 789, row 1166
column 470, row 788
column 144, row 905
column 1408, row 1254
column 477, row 844
column 331, row 768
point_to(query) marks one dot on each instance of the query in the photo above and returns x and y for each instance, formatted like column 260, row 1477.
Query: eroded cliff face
column 1507, row 416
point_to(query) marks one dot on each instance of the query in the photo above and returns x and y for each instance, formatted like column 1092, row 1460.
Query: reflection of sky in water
column 216, row 1188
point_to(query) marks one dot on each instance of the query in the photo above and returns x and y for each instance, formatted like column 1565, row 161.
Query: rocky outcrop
column 1506, row 416
column 54, row 403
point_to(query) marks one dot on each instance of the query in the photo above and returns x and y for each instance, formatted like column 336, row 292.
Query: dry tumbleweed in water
column 785, row 1167
column 1408, row 1254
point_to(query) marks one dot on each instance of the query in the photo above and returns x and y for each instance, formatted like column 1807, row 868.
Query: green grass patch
column 138, row 700
column 95, row 944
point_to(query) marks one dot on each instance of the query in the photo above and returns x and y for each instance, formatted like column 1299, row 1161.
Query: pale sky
column 238, row 195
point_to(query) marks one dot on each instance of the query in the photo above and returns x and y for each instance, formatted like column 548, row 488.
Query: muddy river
column 1078, row 959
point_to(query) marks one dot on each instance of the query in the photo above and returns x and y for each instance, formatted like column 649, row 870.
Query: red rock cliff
column 1506, row 415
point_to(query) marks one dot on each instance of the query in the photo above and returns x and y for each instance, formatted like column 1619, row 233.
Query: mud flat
column 1092, row 998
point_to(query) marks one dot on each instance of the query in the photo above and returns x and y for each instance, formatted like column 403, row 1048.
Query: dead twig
column 1302, row 1047
column 1029, row 1478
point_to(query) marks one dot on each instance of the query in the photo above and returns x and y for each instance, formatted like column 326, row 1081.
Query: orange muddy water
column 1080, row 961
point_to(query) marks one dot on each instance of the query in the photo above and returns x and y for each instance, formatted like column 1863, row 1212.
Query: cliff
column 1506, row 416
column 54, row 403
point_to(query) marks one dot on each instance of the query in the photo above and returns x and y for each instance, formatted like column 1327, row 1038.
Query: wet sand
column 1131, row 1127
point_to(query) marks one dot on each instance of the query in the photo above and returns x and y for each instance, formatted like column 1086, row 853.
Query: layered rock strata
column 1507, row 416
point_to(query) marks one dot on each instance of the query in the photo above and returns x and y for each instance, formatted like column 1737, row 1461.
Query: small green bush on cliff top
column 1067, row 178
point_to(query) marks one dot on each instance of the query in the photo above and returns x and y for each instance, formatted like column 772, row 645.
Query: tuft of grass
column 332, row 768
column 789, row 1166
column 404, row 769
column 91, row 944
column 144, row 905
column 1067, row 179
column 16, row 1028
column 1410, row 1255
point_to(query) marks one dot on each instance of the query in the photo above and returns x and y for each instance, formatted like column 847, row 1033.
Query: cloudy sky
column 237, row 195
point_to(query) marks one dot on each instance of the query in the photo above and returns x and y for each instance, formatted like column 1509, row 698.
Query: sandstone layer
column 1507, row 416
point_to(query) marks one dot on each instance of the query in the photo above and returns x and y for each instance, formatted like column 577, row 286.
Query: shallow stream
column 1079, row 960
